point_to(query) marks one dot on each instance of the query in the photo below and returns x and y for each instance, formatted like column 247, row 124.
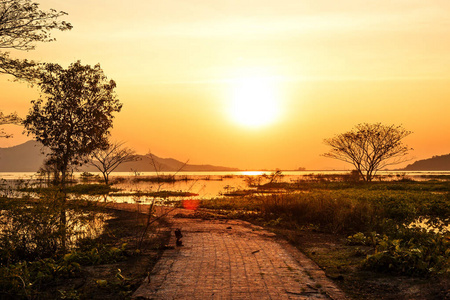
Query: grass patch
column 80, row 189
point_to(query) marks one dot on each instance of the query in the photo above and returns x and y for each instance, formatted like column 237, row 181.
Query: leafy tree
column 107, row 160
column 370, row 147
column 22, row 24
column 8, row 119
column 75, row 118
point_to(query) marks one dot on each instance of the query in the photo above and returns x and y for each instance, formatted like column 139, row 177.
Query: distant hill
column 436, row 163
column 29, row 157
column 26, row 157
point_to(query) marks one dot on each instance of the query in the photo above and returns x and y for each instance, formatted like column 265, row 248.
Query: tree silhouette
column 8, row 119
column 22, row 24
column 370, row 147
column 107, row 160
column 76, row 115
column 73, row 120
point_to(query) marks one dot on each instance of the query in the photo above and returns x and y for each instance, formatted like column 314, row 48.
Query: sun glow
column 254, row 101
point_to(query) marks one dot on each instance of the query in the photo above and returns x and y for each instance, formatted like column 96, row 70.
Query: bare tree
column 22, row 24
column 370, row 147
column 107, row 160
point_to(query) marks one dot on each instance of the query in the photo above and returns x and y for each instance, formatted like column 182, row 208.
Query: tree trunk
column 63, row 216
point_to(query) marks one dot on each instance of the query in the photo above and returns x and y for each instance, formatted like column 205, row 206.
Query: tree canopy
column 22, row 24
column 76, row 114
column 370, row 147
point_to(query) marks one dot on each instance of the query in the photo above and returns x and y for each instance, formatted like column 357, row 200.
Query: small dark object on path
column 179, row 235
column 229, row 227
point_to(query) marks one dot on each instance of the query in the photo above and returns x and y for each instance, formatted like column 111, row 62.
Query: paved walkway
column 232, row 259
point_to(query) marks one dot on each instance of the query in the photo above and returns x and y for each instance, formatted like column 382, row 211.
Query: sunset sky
column 258, row 84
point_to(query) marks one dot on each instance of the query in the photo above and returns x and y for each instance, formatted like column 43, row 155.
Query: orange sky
column 327, row 66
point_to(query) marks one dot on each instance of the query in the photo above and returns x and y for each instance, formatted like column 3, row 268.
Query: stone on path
column 232, row 259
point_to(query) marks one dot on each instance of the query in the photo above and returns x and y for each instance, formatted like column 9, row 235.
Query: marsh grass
column 344, row 210
column 387, row 210
column 31, row 228
column 161, row 178
column 78, row 189
column 158, row 194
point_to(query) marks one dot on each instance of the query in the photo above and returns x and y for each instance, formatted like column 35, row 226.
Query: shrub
column 32, row 230
column 24, row 279
column 422, row 255
column 96, row 256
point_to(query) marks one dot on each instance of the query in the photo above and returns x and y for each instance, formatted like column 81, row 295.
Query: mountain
column 29, row 157
column 436, row 163
column 26, row 157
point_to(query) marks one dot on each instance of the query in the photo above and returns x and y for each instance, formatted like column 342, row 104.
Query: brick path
column 232, row 259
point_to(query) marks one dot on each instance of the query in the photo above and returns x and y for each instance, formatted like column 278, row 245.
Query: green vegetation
column 86, row 189
column 405, row 224
column 35, row 265
column 355, row 230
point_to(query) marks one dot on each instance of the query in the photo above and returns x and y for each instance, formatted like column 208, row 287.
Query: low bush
column 97, row 255
column 25, row 279
column 419, row 253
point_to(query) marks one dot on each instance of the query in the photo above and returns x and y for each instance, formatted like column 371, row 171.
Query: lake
column 205, row 185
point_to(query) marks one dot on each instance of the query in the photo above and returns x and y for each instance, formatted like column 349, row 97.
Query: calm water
column 205, row 184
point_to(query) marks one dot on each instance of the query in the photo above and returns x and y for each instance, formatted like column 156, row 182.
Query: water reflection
column 205, row 185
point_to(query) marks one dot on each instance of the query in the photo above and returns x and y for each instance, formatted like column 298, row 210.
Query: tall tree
column 75, row 117
column 370, row 147
column 22, row 24
column 107, row 160
column 72, row 120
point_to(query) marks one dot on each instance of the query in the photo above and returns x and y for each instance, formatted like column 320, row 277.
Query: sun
column 254, row 101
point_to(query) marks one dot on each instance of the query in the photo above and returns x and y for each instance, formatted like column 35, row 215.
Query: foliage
column 108, row 159
column 370, row 147
column 8, row 119
column 22, row 24
column 29, row 270
column 76, row 116
column 33, row 265
column 24, row 279
column 388, row 217
column 32, row 230
column 410, row 251
column 80, row 189
column 97, row 255
column 86, row 177
column 371, row 239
